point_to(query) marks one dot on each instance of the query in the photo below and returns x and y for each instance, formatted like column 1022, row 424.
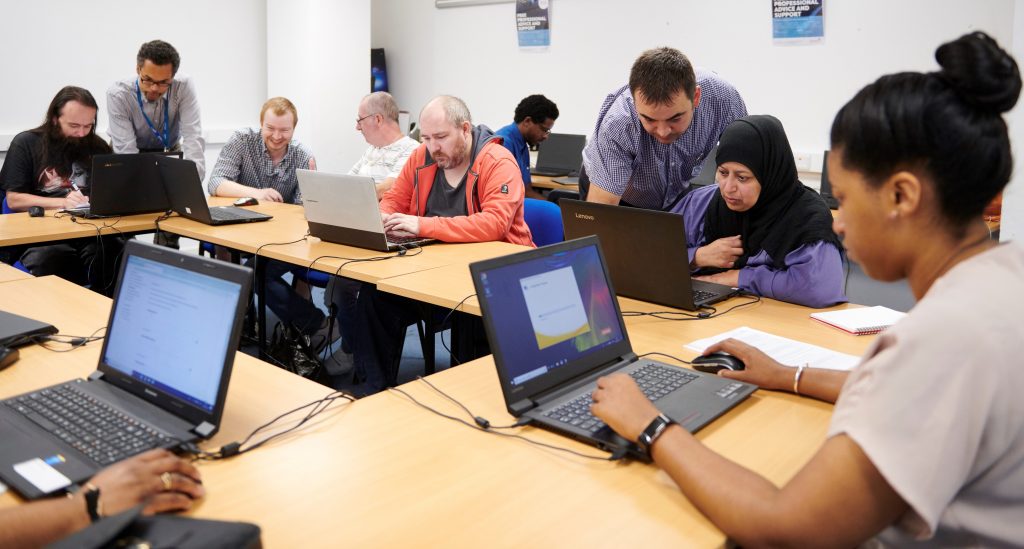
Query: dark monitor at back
column 560, row 154
column 826, row 186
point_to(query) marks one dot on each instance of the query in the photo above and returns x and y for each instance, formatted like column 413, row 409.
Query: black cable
column 74, row 341
column 475, row 426
column 235, row 448
column 677, row 359
column 448, row 317
column 700, row 316
column 102, row 252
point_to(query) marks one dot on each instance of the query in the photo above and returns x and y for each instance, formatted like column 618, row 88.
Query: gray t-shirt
column 938, row 407
column 445, row 200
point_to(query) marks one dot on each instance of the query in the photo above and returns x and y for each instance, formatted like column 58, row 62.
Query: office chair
column 17, row 262
column 545, row 221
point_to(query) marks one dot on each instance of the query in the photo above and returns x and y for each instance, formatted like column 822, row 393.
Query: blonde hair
column 280, row 105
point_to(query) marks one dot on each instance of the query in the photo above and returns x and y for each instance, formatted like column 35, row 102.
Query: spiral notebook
column 862, row 320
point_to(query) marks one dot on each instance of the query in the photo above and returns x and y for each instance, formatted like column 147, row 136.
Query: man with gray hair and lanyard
column 157, row 110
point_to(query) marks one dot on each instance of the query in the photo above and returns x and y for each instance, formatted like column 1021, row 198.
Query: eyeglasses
column 545, row 129
column 359, row 120
column 156, row 83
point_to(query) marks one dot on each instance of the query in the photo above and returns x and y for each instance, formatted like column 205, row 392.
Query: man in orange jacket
column 461, row 185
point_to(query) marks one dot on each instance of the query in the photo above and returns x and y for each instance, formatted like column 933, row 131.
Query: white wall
column 318, row 55
column 472, row 52
column 48, row 44
column 1012, row 225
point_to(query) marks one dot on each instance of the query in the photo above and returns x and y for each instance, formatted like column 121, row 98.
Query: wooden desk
column 20, row 228
column 9, row 273
column 545, row 182
column 384, row 472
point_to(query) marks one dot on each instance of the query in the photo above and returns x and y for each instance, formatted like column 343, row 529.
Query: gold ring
column 166, row 479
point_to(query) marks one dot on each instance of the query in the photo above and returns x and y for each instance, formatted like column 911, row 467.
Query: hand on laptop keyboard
column 619, row 402
column 157, row 478
column 401, row 225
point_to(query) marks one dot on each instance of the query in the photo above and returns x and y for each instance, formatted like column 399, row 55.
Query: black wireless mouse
column 717, row 361
column 8, row 356
column 36, row 211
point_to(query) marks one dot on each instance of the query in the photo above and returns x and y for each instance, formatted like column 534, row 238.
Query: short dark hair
column 537, row 107
column 946, row 125
column 66, row 95
column 159, row 53
column 660, row 74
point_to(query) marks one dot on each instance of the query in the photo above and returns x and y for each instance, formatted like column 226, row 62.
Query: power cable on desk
column 448, row 317
column 235, row 448
column 74, row 341
column 101, row 246
column 482, row 424
column 675, row 315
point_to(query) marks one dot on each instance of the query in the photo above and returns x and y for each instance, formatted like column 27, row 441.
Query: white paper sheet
column 787, row 351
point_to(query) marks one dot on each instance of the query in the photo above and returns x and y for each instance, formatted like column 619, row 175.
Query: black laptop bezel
column 126, row 184
column 193, row 262
column 530, row 390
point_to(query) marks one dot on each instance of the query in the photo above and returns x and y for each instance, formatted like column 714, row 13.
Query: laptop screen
column 562, row 151
column 170, row 329
column 550, row 311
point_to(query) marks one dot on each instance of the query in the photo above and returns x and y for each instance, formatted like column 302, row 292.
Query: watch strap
column 92, row 502
column 653, row 431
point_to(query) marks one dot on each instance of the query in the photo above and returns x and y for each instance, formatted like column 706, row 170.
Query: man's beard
column 454, row 159
column 62, row 152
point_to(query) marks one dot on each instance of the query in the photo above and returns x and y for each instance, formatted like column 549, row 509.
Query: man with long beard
column 49, row 166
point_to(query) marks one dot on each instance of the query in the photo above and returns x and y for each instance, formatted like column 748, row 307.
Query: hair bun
column 981, row 72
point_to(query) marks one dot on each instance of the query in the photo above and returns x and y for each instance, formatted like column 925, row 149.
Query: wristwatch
column 653, row 431
column 92, row 502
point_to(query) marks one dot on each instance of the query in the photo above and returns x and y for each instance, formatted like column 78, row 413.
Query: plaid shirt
column 623, row 159
column 381, row 163
column 245, row 160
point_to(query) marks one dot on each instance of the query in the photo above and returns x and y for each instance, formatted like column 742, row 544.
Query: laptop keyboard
column 701, row 295
column 231, row 214
column 655, row 380
column 91, row 426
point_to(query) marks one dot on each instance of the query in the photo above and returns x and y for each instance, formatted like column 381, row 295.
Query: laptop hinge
column 204, row 429
column 520, row 407
column 96, row 374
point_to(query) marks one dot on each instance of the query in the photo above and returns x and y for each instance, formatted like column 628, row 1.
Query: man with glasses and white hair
column 157, row 111
column 377, row 119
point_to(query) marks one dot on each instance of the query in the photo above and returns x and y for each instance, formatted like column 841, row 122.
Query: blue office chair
column 17, row 263
column 545, row 221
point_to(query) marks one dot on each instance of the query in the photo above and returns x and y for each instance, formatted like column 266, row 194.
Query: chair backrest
column 6, row 209
column 545, row 221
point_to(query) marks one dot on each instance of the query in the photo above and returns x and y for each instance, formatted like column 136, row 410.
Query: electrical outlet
column 803, row 161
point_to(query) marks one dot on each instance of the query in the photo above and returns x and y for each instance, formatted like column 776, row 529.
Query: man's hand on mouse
column 761, row 369
column 620, row 403
column 267, row 195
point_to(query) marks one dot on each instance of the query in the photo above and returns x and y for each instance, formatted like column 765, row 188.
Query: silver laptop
column 343, row 209
column 554, row 327
column 646, row 252
column 162, row 377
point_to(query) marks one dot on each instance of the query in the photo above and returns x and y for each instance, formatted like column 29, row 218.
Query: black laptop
column 554, row 327
column 560, row 154
column 162, row 376
column 646, row 252
column 123, row 184
column 185, row 193
column 826, row 186
column 16, row 330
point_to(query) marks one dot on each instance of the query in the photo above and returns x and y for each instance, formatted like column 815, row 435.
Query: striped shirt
column 625, row 160
column 246, row 161
column 381, row 163
column 130, row 132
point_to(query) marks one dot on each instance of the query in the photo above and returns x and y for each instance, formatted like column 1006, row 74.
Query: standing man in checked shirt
column 653, row 134
column 157, row 111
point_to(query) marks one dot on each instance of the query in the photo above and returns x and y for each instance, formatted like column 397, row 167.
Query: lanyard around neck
column 163, row 137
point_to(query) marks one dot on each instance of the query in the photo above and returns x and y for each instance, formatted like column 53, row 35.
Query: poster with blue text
column 533, row 23
column 795, row 21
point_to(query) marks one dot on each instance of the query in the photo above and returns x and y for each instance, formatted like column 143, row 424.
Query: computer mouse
column 8, row 356
column 247, row 201
column 717, row 361
column 36, row 211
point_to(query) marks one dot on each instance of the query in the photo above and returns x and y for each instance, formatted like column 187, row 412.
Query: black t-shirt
column 445, row 200
column 23, row 171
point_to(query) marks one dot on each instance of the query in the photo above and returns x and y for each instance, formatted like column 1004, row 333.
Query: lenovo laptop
column 554, row 327
column 560, row 154
column 646, row 252
column 826, row 186
column 123, row 184
column 185, row 193
column 343, row 209
column 162, row 376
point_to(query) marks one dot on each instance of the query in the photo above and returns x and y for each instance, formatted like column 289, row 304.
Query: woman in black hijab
column 760, row 229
